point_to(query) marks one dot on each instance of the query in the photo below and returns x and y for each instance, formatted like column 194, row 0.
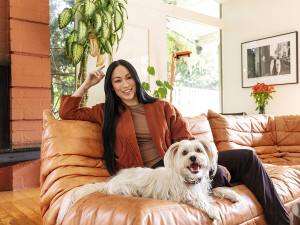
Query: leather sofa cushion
column 200, row 128
column 71, row 155
column 275, row 140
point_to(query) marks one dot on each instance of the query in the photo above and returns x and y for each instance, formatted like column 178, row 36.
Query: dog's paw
column 213, row 213
column 225, row 192
column 234, row 197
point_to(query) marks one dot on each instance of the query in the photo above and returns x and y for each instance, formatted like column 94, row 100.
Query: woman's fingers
column 227, row 172
column 101, row 67
column 99, row 72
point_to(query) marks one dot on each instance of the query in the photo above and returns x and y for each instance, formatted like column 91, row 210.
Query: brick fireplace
column 25, row 68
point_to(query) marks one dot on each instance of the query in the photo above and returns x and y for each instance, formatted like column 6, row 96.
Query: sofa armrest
column 71, row 156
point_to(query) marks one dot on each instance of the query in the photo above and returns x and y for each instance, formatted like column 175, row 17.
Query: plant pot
column 261, row 110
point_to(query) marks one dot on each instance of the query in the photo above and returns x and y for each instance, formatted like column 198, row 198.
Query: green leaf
column 168, row 85
column 118, row 20
column 162, row 92
column 123, row 31
column 88, row 9
column 122, row 8
column 109, row 8
column 82, row 31
column 98, row 22
column 75, row 7
column 105, row 29
column 108, row 17
column 102, row 41
column 156, row 94
column 108, row 47
column 77, row 52
column 104, row 3
column 118, row 42
column 102, row 50
column 125, row 1
column 69, row 41
column 112, row 2
column 81, row 10
column 146, row 86
column 67, row 49
column 113, row 39
column 64, row 18
column 151, row 70
column 159, row 83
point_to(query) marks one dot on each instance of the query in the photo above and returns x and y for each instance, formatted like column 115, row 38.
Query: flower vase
column 261, row 110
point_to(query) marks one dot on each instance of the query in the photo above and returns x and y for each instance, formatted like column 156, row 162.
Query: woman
column 137, row 130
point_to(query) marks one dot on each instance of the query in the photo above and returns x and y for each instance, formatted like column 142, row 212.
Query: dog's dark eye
column 184, row 152
column 198, row 150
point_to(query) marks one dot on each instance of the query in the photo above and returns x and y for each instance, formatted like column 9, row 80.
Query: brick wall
column 4, row 33
column 29, row 41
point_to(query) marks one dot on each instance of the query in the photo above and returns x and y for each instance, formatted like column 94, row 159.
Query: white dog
column 184, row 179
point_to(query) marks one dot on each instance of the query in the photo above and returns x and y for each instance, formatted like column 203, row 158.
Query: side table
column 295, row 214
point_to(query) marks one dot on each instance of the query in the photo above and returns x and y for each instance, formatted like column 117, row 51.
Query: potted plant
column 162, row 87
column 261, row 93
column 100, row 25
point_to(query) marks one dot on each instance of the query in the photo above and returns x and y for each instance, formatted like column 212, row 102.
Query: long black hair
column 112, row 111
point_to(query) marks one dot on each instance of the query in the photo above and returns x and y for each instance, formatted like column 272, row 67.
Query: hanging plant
column 101, row 26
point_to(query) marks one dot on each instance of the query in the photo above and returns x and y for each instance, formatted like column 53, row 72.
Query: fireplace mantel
column 19, row 153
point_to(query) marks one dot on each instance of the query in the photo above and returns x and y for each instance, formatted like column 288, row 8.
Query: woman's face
column 124, row 85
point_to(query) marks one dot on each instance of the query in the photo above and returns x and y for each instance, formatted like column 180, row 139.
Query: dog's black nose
column 193, row 158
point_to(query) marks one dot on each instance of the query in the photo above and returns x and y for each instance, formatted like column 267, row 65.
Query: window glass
column 62, row 71
column 206, row 7
column 196, row 78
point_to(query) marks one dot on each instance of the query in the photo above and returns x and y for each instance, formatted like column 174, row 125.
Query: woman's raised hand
column 94, row 77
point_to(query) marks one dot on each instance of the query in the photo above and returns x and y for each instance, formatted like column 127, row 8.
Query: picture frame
column 271, row 60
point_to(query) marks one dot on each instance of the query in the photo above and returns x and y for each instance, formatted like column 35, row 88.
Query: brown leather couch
column 71, row 156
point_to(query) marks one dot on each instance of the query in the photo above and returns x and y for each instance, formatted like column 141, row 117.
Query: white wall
column 148, row 15
column 247, row 20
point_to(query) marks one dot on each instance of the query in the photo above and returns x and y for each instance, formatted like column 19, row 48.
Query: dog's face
column 191, row 159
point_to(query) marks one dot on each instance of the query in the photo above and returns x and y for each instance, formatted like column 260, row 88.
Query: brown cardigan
column 165, row 123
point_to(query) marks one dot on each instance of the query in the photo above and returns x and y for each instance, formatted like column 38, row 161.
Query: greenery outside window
column 197, row 78
column 62, row 70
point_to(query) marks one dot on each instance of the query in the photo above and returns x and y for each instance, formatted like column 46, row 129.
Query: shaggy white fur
column 184, row 179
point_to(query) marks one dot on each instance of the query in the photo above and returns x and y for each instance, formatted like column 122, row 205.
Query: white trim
column 186, row 14
column 178, row 12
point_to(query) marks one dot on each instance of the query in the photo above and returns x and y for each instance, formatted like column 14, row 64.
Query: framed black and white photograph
column 272, row 60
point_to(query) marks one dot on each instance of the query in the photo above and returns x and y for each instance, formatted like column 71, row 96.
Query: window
column 206, row 7
column 62, row 71
column 196, row 78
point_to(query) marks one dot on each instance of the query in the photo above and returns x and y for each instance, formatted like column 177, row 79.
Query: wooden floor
column 20, row 207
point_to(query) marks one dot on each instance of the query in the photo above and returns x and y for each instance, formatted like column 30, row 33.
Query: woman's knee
column 250, row 154
column 220, row 179
column 234, row 158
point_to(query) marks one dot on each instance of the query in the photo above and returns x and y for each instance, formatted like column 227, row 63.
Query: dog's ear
column 169, row 156
column 212, row 154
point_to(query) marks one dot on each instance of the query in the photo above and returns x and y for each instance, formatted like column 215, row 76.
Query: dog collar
column 192, row 182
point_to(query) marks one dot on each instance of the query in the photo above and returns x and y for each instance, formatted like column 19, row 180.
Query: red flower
column 261, row 92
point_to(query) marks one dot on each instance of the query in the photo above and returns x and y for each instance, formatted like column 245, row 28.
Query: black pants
column 246, row 168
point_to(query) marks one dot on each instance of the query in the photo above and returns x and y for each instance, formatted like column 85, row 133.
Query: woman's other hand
column 227, row 172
